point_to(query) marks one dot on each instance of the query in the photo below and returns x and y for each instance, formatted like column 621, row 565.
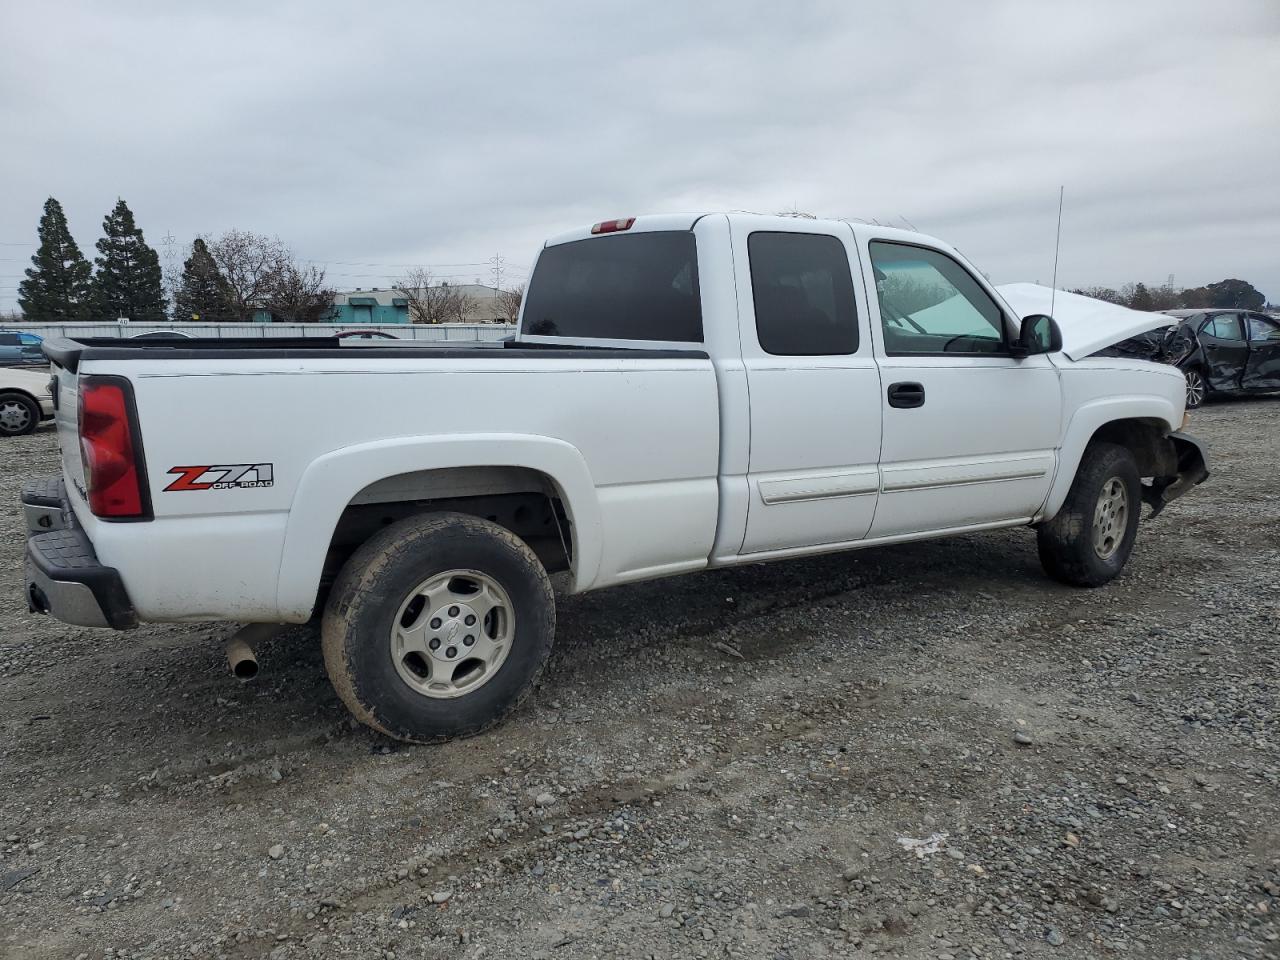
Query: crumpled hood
column 1087, row 325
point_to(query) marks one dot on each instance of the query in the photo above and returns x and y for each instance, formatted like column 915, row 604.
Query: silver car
column 24, row 400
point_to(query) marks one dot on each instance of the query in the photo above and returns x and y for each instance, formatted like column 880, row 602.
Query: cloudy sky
column 376, row 135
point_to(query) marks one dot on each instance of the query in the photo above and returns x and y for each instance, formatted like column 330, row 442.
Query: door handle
column 906, row 395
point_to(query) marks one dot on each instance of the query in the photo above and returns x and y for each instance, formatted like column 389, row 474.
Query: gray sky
column 375, row 135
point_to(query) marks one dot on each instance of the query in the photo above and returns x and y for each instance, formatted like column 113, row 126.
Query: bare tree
column 431, row 302
column 459, row 306
column 252, row 264
column 299, row 295
column 509, row 302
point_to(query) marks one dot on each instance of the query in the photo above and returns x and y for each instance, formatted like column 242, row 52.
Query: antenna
column 1057, row 245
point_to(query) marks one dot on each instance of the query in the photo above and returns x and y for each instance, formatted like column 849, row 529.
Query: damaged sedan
column 1220, row 352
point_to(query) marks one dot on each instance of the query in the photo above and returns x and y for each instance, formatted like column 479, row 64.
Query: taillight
column 111, row 450
column 613, row 226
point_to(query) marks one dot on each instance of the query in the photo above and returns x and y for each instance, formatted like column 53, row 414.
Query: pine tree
column 203, row 292
column 57, row 288
column 128, row 280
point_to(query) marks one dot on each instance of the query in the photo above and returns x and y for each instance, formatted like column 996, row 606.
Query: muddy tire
column 437, row 627
column 1087, row 543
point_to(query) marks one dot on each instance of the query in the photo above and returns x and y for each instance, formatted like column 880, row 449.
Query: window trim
column 853, row 291
column 1004, row 326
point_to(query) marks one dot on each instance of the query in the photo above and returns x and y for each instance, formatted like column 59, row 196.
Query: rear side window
column 1261, row 328
column 8, row 340
column 803, row 294
column 640, row 286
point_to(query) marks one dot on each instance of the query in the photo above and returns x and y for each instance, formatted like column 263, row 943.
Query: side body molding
column 332, row 480
column 1084, row 424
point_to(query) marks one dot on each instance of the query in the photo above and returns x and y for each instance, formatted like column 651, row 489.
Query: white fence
column 405, row 331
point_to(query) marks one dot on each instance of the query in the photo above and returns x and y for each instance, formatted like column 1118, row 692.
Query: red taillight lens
column 613, row 226
column 111, row 453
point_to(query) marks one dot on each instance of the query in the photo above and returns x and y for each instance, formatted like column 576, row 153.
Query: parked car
column 685, row 392
column 1220, row 352
column 24, row 400
column 163, row 335
column 17, row 346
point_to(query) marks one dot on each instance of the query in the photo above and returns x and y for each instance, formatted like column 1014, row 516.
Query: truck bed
column 628, row 439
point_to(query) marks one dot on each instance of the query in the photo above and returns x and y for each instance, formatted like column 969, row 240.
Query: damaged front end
column 1170, row 345
column 1185, row 465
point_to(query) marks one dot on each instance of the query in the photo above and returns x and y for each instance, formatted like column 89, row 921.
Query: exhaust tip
column 241, row 658
column 245, row 669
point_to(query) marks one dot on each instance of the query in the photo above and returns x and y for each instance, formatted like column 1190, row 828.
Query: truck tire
column 1087, row 543
column 437, row 627
column 19, row 414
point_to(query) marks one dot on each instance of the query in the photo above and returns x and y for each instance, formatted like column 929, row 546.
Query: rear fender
column 331, row 481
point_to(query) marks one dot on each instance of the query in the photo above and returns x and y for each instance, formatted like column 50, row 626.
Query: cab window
column 930, row 304
column 803, row 293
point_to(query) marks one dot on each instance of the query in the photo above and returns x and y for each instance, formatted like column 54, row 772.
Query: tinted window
column 640, row 286
column 931, row 304
column 1260, row 328
column 1224, row 326
column 803, row 294
column 8, row 340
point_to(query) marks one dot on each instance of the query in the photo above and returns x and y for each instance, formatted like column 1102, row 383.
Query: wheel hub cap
column 1110, row 518
column 452, row 633
column 14, row 416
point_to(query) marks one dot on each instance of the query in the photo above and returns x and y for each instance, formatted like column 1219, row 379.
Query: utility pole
column 496, row 264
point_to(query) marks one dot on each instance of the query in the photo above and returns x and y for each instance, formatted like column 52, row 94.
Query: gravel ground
column 921, row 751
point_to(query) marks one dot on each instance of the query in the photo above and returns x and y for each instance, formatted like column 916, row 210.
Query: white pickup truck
column 684, row 392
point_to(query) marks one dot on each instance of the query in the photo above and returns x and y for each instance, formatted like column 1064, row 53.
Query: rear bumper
column 63, row 576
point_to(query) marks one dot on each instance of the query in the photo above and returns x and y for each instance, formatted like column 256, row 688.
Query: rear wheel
column 437, row 627
column 1089, row 540
column 1197, row 388
column 19, row 414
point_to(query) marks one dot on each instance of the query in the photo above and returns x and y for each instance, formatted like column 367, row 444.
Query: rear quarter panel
column 645, row 432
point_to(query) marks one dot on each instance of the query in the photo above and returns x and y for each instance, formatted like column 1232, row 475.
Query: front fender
column 332, row 480
column 1085, row 422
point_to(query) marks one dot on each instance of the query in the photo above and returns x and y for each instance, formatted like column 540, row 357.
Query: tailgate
column 66, row 403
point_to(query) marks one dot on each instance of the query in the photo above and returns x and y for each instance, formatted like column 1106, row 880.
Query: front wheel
column 437, row 627
column 18, row 414
column 1197, row 388
column 1088, row 541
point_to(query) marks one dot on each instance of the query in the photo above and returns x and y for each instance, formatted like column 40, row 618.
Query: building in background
column 387, row 305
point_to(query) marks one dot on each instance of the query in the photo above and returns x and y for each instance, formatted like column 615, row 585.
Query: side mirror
column 1039, row 334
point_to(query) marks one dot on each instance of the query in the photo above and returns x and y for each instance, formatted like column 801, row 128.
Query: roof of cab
column 686, row 221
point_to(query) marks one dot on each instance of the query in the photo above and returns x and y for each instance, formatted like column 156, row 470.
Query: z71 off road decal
column 221, row 476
